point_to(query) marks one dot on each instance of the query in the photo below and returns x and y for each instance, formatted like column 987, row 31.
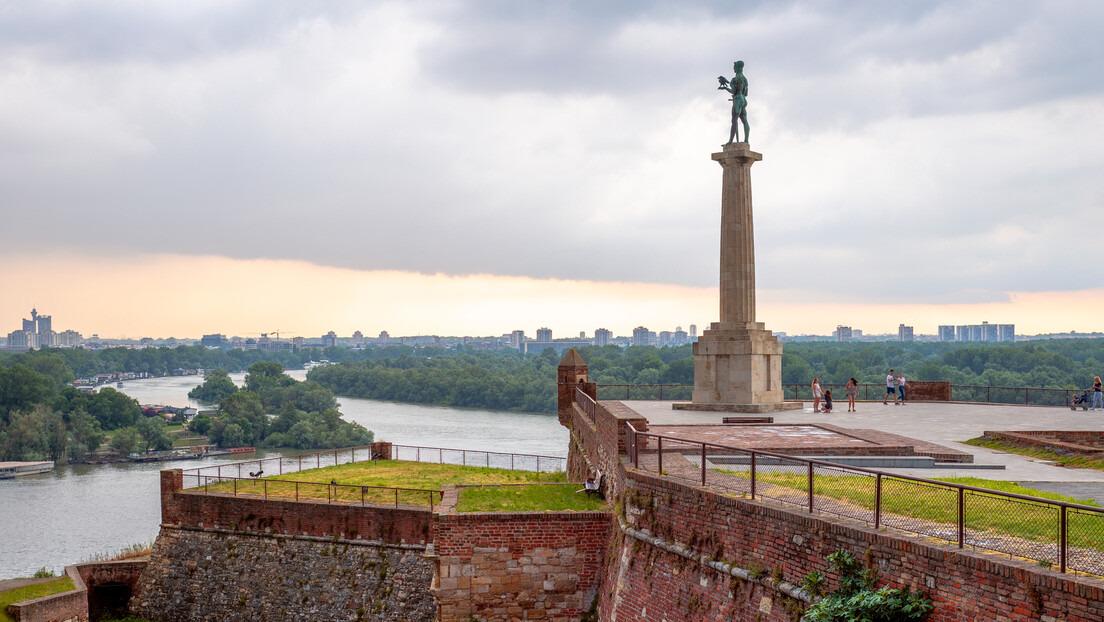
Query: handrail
column 205, row 484
column 756, row 469
column 874, row 391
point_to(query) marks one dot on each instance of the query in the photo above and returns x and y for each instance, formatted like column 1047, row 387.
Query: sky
column 175, row 169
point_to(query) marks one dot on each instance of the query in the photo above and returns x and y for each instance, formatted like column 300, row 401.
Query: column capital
column 737, row 154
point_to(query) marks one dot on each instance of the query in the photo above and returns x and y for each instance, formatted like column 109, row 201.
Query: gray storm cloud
column 921, row 152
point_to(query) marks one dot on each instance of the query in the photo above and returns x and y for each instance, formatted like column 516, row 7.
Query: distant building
column 904, row 333
column 602, row 337
column 680, row 337
column 693, row 332
column 384, row 339
column 21, row 339
column 665, row 338
column 946, row 333
column 640, row 336
column 358, row 338
column 329, row 340
column 842, row 333
column 985, row 332
column 1006, row 332
column 544, row 334
column 517, row 338
column 215, row 340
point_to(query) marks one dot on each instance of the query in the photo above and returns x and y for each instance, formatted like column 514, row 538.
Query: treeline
column 305, row 413
column 160, row 361
column 507, row 380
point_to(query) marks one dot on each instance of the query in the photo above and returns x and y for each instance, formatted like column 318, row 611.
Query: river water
column 76, row 512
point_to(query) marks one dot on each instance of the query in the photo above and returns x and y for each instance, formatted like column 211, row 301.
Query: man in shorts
column 891, row 388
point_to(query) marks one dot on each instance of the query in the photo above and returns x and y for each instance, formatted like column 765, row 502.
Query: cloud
column 914, row 152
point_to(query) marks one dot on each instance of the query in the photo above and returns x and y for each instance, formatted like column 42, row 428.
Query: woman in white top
column 816, row 394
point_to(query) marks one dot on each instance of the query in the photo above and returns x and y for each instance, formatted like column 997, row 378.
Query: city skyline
column 253, row 166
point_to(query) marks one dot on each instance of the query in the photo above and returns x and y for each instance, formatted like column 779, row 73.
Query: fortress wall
column 71, row 606
column 600, row 444
column 400, row 525
column 214, row 574
column 519, row 566
column 710, row 527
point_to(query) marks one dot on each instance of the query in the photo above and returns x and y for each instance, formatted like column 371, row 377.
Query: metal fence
column 332, row 492
column 284, row 465
column 1067, row 536
column 1029, row 396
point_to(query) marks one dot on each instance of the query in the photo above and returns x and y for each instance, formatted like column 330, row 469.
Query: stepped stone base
column 738, row 368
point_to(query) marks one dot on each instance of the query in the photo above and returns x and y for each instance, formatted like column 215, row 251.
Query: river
column 76, row 512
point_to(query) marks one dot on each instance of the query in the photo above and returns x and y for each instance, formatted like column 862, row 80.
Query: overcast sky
column 914, row 153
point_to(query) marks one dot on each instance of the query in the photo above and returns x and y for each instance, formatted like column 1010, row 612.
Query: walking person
column 1098, row 396
column 901, row 384
column 891, row 388
column 817, row 393
column 852, row 392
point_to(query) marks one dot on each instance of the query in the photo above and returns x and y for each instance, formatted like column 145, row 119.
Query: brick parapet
column 71, row 606
column 1062, row 440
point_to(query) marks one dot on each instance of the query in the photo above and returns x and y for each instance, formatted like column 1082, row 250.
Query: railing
column 479, row 458
column 334, row 493
column 1029, row 396
column 283, row 465
column 587, row 404
column 1066, row 535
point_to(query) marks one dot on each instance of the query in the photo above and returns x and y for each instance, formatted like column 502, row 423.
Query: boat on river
column 11, row 470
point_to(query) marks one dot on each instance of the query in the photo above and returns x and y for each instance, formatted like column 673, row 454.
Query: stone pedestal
column 737, row 361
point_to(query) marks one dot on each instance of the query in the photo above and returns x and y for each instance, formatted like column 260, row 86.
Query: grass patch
column 131, row 551
column 1079, row 461
column 983, row 512
column 531, row 498
column 422, row 476
column 30, row 592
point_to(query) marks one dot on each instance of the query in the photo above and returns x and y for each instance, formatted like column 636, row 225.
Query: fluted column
column 737, row 234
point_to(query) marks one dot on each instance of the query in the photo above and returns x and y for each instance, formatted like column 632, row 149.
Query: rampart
column 686, row 552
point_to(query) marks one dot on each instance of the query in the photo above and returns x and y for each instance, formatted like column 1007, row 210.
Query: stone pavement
column 944, row 424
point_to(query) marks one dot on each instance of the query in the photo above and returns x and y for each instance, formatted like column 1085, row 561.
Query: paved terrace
column 943, row 424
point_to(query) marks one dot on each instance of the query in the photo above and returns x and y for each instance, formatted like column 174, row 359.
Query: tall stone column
column 737, row 361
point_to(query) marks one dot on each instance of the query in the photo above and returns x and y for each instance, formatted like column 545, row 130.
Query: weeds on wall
column 857, row 599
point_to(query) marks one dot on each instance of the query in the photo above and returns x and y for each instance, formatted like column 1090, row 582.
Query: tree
column 264, row 374
column 152, row 431
column 114, row 409
column 53, row 366
column 233, row 436
column 125, row 440
column 216, row 387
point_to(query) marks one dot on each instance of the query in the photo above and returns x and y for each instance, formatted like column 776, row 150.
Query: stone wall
column 928, row 391
column 518, row 566
column 71, row 606
column 220, row 575
column 110, row 584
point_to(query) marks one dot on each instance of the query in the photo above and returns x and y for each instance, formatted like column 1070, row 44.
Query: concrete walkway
column 945, row 424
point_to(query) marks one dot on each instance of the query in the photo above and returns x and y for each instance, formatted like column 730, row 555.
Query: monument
column 737, row 361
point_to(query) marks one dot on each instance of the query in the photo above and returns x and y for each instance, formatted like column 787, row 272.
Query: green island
column 30, row 592
column 420, row 483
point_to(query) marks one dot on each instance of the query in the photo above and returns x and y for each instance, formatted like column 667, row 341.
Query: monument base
column 739, row 408
column 737, row 368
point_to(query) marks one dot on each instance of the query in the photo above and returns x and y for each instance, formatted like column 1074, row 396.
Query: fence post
column 661, row 393
column 627, row 387
column 396, row 497
column 659, row 452
column 810, row 487
column 877, row 501
column 703, row 464
column 1027, row 392
column 296, row 491
column 362, row 490
column 753, row 476
column 987, row 395
column 961, row 517
column 465, row 454
column 235, row 487
column 1062, row 526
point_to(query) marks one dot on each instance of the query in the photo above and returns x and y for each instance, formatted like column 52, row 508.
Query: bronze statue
column 739, row 89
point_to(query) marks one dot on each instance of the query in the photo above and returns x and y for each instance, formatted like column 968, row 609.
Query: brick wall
column 928, row 391
column 518, row 566
column 69, row 606
column 310, row 518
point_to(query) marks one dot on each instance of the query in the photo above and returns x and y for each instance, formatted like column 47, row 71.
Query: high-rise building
column 1006, row 332
column 517, row 338
column 904, row 333
column 544, row 334
column 693, row 332
column 329, row 340
column 665, row 337
column 946, row 333
column 384, row 339
column 602, row 337
column 214, row 341
column 358, row 338
column 640, row 336
column 985, row 332
column 21, row 339
column 842, row 333
column 680, row 337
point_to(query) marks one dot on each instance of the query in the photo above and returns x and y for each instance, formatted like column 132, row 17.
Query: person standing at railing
column 1098, row 396
column 816, row 394
column 852, row 392
column 901, row 384
column 891, row 388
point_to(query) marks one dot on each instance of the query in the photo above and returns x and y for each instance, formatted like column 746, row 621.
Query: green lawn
column 422, row 476
column 1078, row 461
column 530, row 498
column 30, row 592
column 983, row 512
